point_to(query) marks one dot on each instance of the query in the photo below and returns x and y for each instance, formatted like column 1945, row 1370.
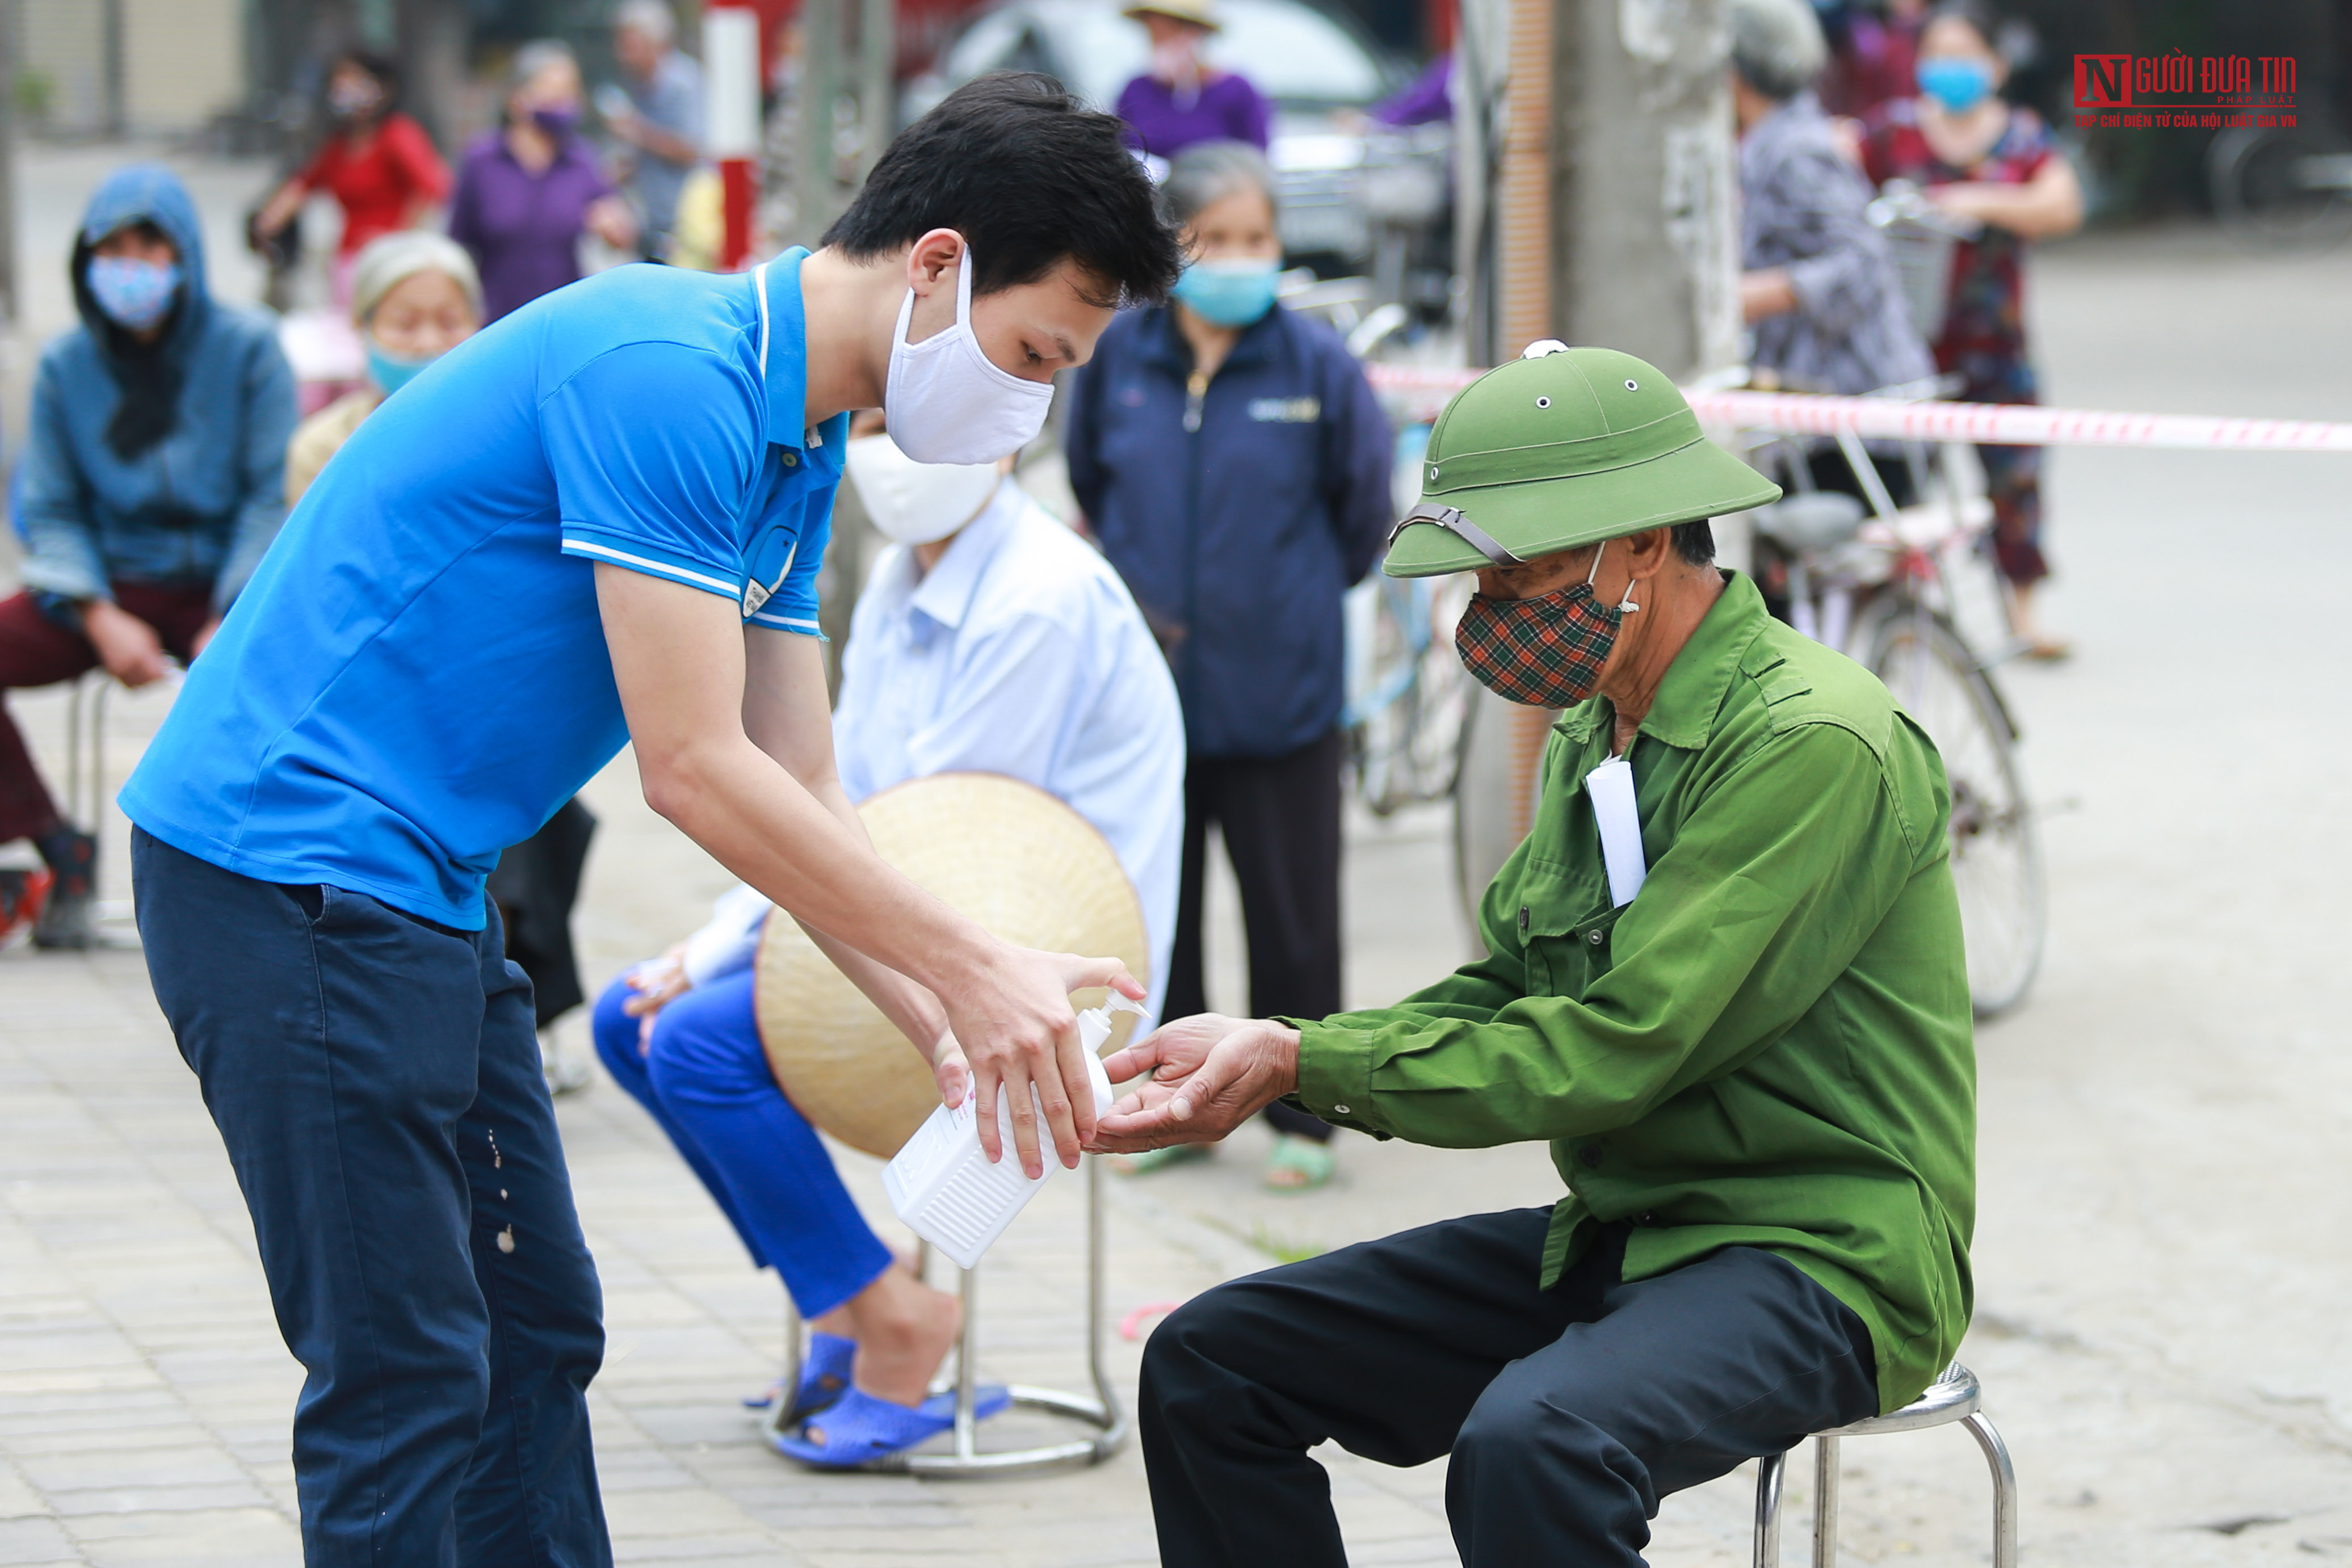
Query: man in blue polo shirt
column 598, row 522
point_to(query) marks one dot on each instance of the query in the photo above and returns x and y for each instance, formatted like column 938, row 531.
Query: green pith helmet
column 1558, row 448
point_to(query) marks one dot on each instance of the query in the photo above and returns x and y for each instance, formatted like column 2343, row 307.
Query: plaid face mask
column 1545, row 652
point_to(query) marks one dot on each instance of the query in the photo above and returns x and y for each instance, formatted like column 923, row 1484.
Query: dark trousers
column 376, row 1079
column 535, row 884
column 1568, row 1412
column 1280, row 818
column 35, row 650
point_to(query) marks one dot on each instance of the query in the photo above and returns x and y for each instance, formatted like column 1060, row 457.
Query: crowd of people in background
column 1227, row 456
column 1827, row 118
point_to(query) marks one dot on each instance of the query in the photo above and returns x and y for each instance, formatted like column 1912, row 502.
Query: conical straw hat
column 1020, row 863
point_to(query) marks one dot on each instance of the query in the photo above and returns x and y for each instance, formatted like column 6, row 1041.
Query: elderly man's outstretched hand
column 1201, row 1078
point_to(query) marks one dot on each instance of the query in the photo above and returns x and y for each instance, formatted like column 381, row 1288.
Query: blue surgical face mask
column 1229, row 293
column 388, row 370
column 1956, row 81
column 133, row 294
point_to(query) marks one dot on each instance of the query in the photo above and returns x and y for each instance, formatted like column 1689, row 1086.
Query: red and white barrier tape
column 1993, row 424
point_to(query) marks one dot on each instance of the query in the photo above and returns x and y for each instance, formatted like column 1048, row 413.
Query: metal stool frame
column 85, row 803
column 1954, row 1397
column 1101, row 1412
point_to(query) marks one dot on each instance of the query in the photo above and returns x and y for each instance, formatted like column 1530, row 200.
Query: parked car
column 1311, row 66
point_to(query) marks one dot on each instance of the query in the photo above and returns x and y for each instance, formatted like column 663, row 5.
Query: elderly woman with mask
column 1818, row 286
column 1980, row 157
column 1233, row 462
column 415, row 296
column 528, row 190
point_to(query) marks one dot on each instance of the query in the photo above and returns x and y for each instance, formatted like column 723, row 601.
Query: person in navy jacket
column 1235, row 465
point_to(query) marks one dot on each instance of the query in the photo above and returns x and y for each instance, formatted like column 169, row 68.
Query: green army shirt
column 1770, row 1045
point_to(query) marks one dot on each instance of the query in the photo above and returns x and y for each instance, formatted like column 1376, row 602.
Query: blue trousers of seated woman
column 705, row 1077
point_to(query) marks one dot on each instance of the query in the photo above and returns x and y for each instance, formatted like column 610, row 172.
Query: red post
column 730, row 76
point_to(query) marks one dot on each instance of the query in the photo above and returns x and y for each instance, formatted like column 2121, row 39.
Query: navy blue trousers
column 1568, row 1412
column 376, row 1079
column 705, row 1077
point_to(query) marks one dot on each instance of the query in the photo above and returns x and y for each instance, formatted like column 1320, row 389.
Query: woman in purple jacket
column 528, row 190
column 1182, row 99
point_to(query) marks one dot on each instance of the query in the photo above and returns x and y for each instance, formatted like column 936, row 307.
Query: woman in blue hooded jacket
column 1235, row 465
column 150, row 487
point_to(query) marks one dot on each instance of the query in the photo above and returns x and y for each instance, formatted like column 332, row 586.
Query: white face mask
column 916, row 503
column 948, row 402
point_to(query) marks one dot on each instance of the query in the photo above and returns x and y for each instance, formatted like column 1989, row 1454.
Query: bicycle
column 1408, row 696
column 1883, row 585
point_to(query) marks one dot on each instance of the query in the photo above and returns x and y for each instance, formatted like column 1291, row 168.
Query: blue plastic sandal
column 824, row 1372
column 860, row 1429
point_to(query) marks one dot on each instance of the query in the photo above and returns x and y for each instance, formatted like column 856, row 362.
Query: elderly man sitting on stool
column 1756, row 1073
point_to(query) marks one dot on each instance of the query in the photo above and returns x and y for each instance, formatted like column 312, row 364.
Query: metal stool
column 1101, row 1412
column 1953, row 1397
column 85, row 801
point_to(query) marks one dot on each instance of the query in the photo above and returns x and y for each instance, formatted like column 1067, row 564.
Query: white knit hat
column 385, row 260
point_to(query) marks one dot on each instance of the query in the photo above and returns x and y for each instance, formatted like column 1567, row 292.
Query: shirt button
column 1596, row 935
column 1591, row 1156
column 1342, row 1110
column 1646, row 1220
column 792, row 459
column 1523, row 919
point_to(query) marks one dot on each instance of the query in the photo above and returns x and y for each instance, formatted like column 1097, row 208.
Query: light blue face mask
column 133, row 294
column 1959, row 84
column 1229, row 293
column 388, row 370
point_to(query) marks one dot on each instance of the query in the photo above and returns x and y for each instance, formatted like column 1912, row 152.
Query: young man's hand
column 1013, row 1014
column 126, row 645
column 1201, row 1078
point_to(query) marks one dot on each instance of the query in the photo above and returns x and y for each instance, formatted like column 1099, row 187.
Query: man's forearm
column 913, row 1010
column 759, row 822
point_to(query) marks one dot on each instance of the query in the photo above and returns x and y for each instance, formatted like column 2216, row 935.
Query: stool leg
column 788, row 1386
column 2004, row 1490
column 967, row 1358
column 1825, row 1501
column 1768, row 1472
column 98, row 772
column 1096, row 1270
column 73, row 751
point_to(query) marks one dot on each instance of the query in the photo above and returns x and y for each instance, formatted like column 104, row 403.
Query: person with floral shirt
column 1978, row 156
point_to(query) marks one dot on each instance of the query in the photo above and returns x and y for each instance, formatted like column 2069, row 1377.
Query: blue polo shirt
column 416, row 676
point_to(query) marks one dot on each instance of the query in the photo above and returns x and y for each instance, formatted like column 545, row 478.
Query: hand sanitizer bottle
column 942, row 1182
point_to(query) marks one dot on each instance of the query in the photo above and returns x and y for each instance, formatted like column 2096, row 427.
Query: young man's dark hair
column 1028, row 175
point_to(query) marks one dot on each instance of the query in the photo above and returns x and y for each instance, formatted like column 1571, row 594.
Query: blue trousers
column 376, row 1079
column 705, row 1077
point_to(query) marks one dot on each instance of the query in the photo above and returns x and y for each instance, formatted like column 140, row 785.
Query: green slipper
column 1152, row 1160
column 1298, row 1165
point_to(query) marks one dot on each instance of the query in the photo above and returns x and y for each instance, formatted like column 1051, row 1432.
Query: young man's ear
column 932, row 259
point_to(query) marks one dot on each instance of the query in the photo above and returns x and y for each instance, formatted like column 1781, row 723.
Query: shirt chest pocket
column 1565, row 954
column 766, row 565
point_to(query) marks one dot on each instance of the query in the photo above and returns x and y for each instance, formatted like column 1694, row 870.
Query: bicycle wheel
column 1408, row 748
column 2280, row 188
column 1429, row 756
column 1996, row 846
